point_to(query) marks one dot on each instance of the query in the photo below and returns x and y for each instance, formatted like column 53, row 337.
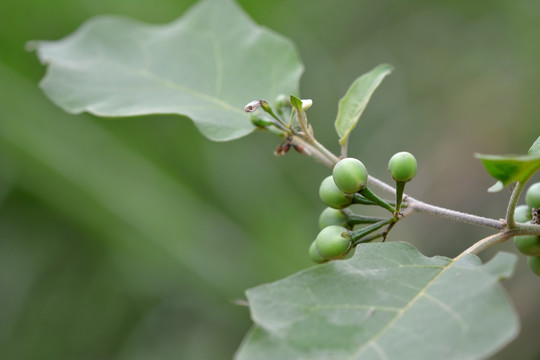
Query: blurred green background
column 132, row 238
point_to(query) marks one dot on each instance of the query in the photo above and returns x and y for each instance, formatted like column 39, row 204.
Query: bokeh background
column 132, row 238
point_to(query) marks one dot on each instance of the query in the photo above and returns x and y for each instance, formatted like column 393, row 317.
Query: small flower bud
column 252, row 106
column 306, row 104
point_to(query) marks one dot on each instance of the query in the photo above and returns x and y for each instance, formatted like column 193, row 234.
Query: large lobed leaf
column 387, row 302
column 206, row 65
column 353, row 104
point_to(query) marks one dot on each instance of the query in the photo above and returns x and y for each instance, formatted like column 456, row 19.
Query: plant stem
column 400, row 186
column 381, row 185
column 344, row 148
column 421, row 207
column 367, row 239
column 516, row 192
column 313, row 152
column 359, row 199
column 359, row 234
column 355, row 219
column 377, row 200
column 485, row 243
column 325, row 151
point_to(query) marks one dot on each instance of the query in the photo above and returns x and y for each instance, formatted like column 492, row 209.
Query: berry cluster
column 346, row 186
column 529, row 213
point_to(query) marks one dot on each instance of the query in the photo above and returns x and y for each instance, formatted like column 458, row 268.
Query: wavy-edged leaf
column 387, row 302
column 352, row 105
column 509, row 169
column 206, row 65
column 535, row 148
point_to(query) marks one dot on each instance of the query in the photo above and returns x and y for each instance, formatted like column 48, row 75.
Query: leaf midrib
column 373, row 340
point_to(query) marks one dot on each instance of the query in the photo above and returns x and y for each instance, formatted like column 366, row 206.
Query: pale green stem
column 510, row 220
column 344, row 148
column 485, row 243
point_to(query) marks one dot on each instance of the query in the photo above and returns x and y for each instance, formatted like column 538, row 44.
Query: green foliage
column 350, row 175
column 206, row 65
column 388, row 301
column 353, row 104
column 391, row 291
column 509, row 169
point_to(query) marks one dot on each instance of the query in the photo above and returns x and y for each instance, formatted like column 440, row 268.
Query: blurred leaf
column 387, row 302
column 206, row 65
column 352, row 105
column 90, row 175
column 509, row 169
column 535, row 148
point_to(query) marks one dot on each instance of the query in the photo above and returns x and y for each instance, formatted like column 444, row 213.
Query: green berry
column 534, row 264
column 533, row 196
column 350, row 175
column 332, row 196
column 314, row 254
column 402, row 166
column 522, row 214
column 528, row 244
column 333, row 242
column 331, row 216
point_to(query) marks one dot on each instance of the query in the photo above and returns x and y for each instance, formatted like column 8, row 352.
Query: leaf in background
column 206, row 65
column 83, row 170
column 352, row 105
column 509, row 169
column 387, row 302
column 535, row 148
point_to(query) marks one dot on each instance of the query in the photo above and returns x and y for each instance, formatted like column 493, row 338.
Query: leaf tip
column 498, row 186
column 295, row 102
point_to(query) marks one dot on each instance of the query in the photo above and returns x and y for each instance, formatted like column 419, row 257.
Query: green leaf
column 207, row 65
column 352, row 105
column 300, row 113
column 509, row 169
column 387, row 302
column 535, row 148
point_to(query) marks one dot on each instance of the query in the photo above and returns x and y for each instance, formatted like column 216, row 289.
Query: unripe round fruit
column 528, row 244
column 332, row 196
column 522, row 214
column 333, row 242
column 331, row 216
column 314, row 254
column 534, row 264
column 402, row 166
column 350, row 175
column 533, row 196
